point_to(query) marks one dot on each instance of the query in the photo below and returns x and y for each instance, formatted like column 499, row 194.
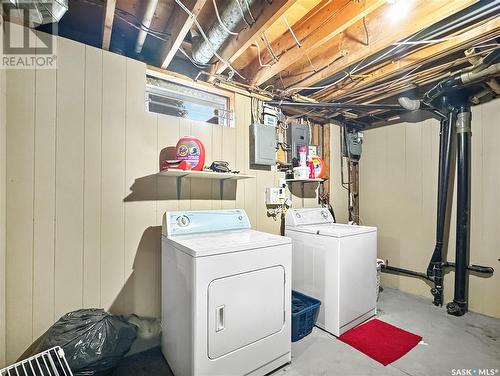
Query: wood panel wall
column 398, row 195
column 2, row 208
column 84, row 208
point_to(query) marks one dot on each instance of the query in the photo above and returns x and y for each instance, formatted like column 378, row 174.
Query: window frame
column 184, row 81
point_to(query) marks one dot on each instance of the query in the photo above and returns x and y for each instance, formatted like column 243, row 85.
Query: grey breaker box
column 297, row 135
column 262, row 145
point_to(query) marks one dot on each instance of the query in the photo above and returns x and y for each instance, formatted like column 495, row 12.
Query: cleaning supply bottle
column 303, row 156
column 191, row 150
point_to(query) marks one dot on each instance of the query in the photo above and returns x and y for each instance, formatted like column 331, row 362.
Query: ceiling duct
column 233, row 13
column 35, row 12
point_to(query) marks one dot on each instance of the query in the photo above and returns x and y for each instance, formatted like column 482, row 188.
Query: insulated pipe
column 230, row 16
column 146, row 23
column 459, row 305
column 435, row 268
column 409, row 104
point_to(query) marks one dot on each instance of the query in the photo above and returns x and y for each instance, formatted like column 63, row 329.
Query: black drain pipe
column 459, row 305
column 435, row 270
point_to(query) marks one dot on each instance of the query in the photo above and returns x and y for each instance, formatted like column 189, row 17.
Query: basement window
column 170, row 98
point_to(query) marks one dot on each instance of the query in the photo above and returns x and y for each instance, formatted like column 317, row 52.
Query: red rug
column 381, row 341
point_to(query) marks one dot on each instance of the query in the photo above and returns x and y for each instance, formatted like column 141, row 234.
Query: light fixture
column 398, row 9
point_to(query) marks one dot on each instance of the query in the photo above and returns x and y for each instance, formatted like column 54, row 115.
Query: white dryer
column 226, row 293
column 336, row 264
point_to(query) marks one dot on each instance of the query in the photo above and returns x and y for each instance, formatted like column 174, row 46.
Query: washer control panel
column 308, row 216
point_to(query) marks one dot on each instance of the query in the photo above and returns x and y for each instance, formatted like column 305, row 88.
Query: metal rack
column 48, row 363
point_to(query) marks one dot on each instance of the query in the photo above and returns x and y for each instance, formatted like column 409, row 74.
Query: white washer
column 336, row 264
column 226, row 293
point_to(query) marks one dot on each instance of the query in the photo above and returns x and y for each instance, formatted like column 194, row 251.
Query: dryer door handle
column 220, row 318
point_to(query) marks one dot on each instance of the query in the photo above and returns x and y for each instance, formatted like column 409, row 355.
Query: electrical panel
column 353, row 142
column 262, row 145
column 297, row 135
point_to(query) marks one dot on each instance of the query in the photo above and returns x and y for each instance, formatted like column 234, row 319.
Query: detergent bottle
column 191, row 150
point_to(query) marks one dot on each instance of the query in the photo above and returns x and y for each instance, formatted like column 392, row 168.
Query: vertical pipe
column 146, row 22
column 463, row 126
column 435, row 268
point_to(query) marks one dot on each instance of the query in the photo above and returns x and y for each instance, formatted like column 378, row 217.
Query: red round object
column 191, row 150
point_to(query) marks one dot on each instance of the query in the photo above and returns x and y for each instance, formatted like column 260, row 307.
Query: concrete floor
column 468, row 342
column 471, row 342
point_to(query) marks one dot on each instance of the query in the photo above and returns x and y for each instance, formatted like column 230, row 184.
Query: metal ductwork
column 35, row 12
column 230, row 16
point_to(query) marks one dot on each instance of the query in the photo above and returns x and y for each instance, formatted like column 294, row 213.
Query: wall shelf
column 187, row 174
column 305, row 180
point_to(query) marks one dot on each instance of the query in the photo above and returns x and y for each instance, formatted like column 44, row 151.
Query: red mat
column 381, row 341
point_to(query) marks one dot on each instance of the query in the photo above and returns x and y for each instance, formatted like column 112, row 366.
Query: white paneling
column 113, row 177
column 3, row 156
column 19, row 257
column 44, row 200
column 142, row 267
column 92, row 178
column 69, row 177
column 168, row 129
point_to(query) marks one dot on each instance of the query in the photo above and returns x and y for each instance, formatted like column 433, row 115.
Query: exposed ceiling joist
column 425, row 55
column 180, row 25
column 420, row 15
column 107, row 28
column 236, row 46
column 312, row 33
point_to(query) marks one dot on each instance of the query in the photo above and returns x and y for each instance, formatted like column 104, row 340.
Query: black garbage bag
column 93, row 340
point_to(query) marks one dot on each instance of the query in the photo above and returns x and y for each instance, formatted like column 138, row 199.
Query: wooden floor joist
column 107, row 28
column 427, row 54
column 383, row 33
column 236, row 46
column 314, row 32
column 180, row 23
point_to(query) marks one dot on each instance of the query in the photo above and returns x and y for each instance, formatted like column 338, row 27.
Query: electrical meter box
column 352, row 146
column 262, row 145
column 297, row 135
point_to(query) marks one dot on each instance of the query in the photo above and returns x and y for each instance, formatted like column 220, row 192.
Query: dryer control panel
column 309, row 216
column 191, row 222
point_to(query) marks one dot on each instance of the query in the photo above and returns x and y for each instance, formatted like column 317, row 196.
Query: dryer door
column 245, row 308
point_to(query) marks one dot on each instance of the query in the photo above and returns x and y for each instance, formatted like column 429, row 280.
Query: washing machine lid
column 336, row 230
column 308, row 216
column 213, row 243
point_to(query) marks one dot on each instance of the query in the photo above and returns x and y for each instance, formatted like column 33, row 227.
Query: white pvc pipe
column 146, row 21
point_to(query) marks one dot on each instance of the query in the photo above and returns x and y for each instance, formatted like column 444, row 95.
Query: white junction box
column 275, row 196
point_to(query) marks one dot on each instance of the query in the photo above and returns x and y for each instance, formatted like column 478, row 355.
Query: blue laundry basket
column 305, row 312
